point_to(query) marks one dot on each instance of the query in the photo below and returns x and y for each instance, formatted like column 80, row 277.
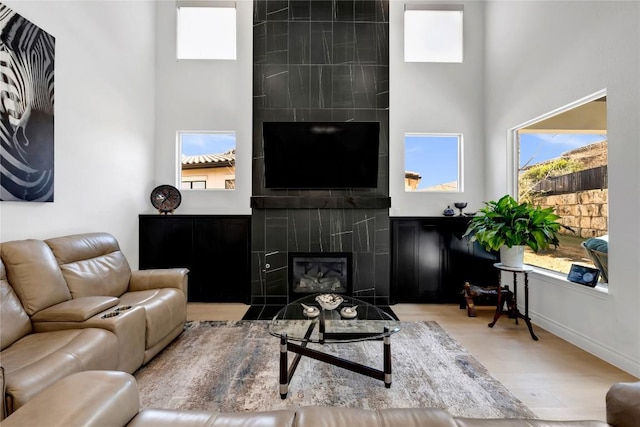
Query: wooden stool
column 470, row 292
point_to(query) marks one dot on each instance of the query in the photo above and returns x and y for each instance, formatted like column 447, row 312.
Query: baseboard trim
column 587, row 344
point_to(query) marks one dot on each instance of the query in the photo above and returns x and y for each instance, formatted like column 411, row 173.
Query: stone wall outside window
column 586, row 212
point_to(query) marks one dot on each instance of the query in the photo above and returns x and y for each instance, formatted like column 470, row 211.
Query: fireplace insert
column 318, row 272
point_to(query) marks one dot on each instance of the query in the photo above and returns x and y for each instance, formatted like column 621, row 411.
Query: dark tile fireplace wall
column 318, row 60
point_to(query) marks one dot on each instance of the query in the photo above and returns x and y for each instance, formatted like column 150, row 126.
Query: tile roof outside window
column 210, row 160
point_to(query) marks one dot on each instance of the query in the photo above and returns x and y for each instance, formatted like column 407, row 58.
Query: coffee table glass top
column 353, row 320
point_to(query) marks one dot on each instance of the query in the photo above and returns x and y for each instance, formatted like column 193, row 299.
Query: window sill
column 600, row 291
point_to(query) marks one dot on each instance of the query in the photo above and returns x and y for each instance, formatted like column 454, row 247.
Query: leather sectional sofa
column 102, row 398
column 72, row 304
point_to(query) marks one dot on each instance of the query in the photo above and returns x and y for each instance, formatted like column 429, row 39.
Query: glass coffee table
column 305, row 321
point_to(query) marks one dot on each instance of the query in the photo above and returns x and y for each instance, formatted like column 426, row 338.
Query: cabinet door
column 432, row 260
column 417, row 262
column 458, row 266
column 221, row 260
column 405, row 250
column 165, row 242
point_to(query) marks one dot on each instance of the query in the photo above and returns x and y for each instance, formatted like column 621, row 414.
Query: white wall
column 204, row 95
column 440, row 98
column 104, row 121
column 217, row 95
column 543, row 55
column 522, row 59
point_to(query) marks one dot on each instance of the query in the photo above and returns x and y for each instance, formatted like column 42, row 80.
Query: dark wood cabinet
column 431, row 261
column 215, row 249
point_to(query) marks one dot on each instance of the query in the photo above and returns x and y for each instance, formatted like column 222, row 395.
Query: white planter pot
column 512, row 257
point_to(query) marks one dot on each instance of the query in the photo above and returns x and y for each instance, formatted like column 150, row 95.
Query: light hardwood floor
column 554, row 378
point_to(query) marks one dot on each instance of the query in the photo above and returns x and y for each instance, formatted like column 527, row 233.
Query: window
column 432, row 162
column 193, row 185
column 207, row 160
column 562, row 163
column 206, row 33
column 433, row 35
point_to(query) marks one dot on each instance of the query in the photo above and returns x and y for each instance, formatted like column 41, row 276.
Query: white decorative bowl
column 310, row 311
column 329, row 301
column 349, row 312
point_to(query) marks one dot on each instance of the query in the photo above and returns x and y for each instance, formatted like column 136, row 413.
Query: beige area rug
column 233, row 366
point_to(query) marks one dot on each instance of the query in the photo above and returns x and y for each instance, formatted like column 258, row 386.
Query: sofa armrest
column 75, row 310
column 90, row 398
column 623, row 404
column 142, row 280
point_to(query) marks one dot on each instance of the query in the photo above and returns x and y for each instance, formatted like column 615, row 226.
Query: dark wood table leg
column 513, row 310
column 471, row 307
column 527, row 320
column 387, row 357
column 515, row 296
column 498, row 313
column 284, row 367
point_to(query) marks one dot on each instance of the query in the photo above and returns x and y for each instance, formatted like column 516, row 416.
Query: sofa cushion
column 165, row 309
column 189, row 418
column 93, row 398
column 13, row 319
column 318, row 416
column 34, row 274
column 38, row 360
column 92, row 264
column 409, row 417
column 597, row 244
column 142, row 280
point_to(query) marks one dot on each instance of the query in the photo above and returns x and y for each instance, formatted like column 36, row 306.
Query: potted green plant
column 509, row 226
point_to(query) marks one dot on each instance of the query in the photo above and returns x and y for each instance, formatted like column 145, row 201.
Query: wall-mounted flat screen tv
column 321, row 155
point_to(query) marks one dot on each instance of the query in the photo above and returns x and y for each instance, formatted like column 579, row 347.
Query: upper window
column 432, row 35
column 432, row 162
column 206, row 33
column 207, row 160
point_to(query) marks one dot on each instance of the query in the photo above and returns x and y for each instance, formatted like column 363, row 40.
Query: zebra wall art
column 26, row 109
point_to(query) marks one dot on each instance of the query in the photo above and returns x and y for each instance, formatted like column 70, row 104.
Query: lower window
column 207, row 160
column 432, row 162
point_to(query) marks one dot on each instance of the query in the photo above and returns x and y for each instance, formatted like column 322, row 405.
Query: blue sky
column 545, row 146
column 194, row 144
column 435, row 158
